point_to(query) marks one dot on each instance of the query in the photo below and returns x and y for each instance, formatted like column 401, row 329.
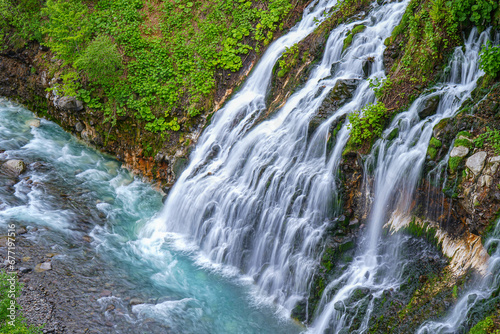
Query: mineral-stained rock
column 476, row 162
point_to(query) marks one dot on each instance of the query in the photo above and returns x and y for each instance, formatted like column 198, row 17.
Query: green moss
column 431, row 152
column 465, row 134
column 436, row 143
column 423, row 231
column 453, row 164
column 463, row 142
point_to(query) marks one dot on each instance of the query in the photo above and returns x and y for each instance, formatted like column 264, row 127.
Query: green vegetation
column 475, row 12
column 485, row 326
column 149, row 59
column 491, row 137
column 367, row 123
column 20, row 22
column 490, row 60
column 100, row 61
column 9, row 291
column 434, row 144
column 380, row 87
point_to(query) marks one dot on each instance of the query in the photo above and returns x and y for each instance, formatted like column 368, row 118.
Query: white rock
column 485, row 181
column 35, row 122
column 15, row 167
column 459, row 151
column 476, row 162
column 494, row 159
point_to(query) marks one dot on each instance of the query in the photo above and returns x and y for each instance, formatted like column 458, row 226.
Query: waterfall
column 258, row 197
column 398, row 165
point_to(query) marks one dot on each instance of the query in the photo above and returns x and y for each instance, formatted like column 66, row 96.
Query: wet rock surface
column 14, row 167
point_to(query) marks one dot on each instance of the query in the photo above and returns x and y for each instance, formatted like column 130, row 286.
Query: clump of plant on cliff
column 367, row 123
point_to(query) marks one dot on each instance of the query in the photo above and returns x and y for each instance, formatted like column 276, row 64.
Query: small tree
column 101, row 62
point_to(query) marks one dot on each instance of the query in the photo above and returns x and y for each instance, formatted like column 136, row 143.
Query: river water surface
column 70, row 192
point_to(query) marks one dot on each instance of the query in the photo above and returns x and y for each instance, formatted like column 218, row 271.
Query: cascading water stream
column 398, row 165
column 259, row 196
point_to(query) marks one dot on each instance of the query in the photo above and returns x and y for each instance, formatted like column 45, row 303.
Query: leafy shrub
column 19, row 22
column 101, row 61
column 492, row 137
column 367, row 123
column 477, row 12
column 380, row 87
column 490, row 60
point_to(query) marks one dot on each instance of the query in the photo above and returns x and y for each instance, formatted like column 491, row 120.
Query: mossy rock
column 351, row 34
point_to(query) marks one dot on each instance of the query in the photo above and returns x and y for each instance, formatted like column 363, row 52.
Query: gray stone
column 476, row 162
column 494, row 159
column 79, row 127
column 69, row 103
column 459, row 151
column 354, row 222
column 24, row 270
column 15, row 167
column 429, row 107
column 136, row 301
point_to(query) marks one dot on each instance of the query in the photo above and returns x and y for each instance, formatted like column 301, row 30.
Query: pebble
column 41, row 267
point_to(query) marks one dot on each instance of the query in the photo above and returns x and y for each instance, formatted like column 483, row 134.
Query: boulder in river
column 34, row 122
column 15, row 167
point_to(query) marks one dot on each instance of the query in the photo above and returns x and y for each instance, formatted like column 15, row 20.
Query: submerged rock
column 15, row 167
column 35, row 122
column 476, row 162
column 340, row 94
column 136, row 301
